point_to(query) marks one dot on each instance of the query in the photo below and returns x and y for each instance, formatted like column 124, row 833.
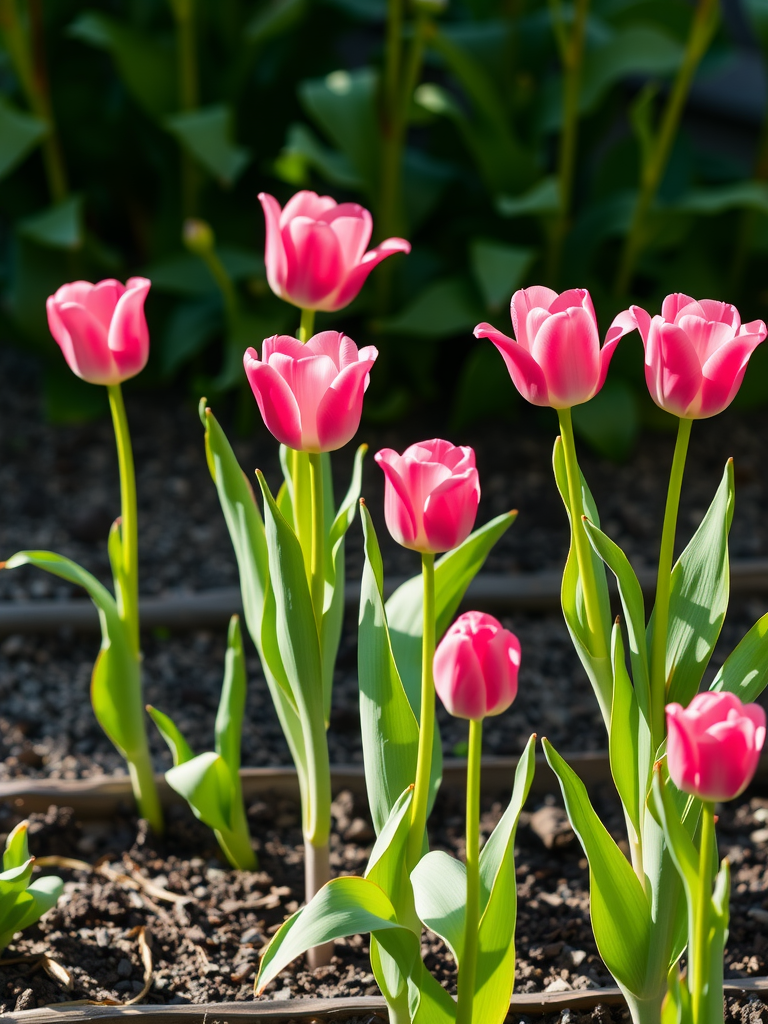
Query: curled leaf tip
column 362, row 502
column 3, row 565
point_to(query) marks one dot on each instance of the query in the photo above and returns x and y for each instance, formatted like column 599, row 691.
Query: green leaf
column 633, row 604
column 389, row 726
column 204, row 782
column 16, row 853
column 444, row 308
column 273, row 19
column 22, row 903
column 345, row 906
column 739, row 195
column 483, row 391
column 178, row 746
column 303, row 151
column 679, row 842
column 643, row 50
column 611, row 421
column 57, row 227
column 145, row 62
column 453, row 574
column 699, row 596
column 620, row 913
column 344, row 105
column 116, row 680
column 629, row 739
column 186, row 274
column 229, row 717
column 543, row 197
column 189, row 328
column 599, row 670
column 498, row 887
column 207, row 135
column 20, row 133
column 745, row 670
column 499, row 269
column 440, row 892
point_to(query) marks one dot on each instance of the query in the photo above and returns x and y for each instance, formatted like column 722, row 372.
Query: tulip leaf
column 181, row 752
column 699, row 596
column 444, row 308
column 116, row 680
column 632, row 602
column 303, row 151
column 598, row 669
column 541, row 198
column 390, row 730
column 229, row 717
column 745, row 670
column 19, row 134
column 620, row 912
column 57, row 227
column 629, row 741
column 207, row 135
column 498, row 894
column 499, row 269
column 204, row 782
column 440, row 892
column 22, row 902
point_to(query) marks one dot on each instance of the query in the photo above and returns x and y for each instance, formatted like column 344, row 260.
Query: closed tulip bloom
column 316, row 250
column 101, row 328
column 476, row 666
column 696, row 353
column 310, row 396
column 714, row 744
column 431, row 495
column 555, row 357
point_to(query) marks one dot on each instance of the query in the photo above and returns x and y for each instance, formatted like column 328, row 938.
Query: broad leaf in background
column 145, row 62
column 303, row 151
column 745, row 670
column 541, row 198
column 273, row 19
column 611, row 421
column 19, row 134
column 187, row 275
column 699, row 596
column 443, row 308
column 499, row 269
column 483, row 392
column 58, row 227
column 208, row 135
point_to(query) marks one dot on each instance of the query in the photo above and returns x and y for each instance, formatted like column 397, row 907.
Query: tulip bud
column 476, row 666
column 431, row 495
column 713, row 745
column 198, row 236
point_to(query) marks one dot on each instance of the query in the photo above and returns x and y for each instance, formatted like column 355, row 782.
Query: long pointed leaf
column 745, row 670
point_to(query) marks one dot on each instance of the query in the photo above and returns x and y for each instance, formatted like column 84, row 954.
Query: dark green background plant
column 512, row 141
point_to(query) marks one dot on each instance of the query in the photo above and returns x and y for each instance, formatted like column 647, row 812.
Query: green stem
column 699, row 946
column 127, row 586
column 317, row 564
column 393, row 56
column 468, row 968
column 188, row 88
column 581, row 541
column 426, row 719
column 307, row 325
column 144, row 788
column 236, row 846
column 663, row 585
column 573, row 58
column 27, row 53
column 702, row 30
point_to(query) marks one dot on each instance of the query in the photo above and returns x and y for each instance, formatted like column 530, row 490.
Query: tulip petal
column 723, row 373
column 329, row 343
column 521, row 304
column 567, row 348
column 721, row 312
column 398, row 511
column 674, row 303
column 306, row 204
column 634, row 318
column 128, row 331
column 84, row 344
column 314, row 262
column 353, row 226
column 450, row 511
column 674, row 375
column 459, row 679
column 340, row 409
column 682, row 751
column 578, row 298
column 274, row 251
column 706, row 336
column 275, row 400
column 526, row 374
column 357, row 276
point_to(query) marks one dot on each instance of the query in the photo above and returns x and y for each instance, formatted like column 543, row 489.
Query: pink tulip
column 476, row 666
column 310, row 396
column 431, row 495
column 714, row 744
column 315, row 251
column 555, row 357
column 101, row 328
column 696, row 353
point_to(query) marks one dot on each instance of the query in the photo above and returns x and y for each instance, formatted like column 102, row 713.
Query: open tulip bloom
column 696, row 353
column 102, row 333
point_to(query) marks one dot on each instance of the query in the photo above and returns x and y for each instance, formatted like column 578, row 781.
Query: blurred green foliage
column 590, row 143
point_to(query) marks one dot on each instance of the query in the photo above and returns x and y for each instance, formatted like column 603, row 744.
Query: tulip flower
column 713, row 745
column 316, row 250
column 310, row 396
column 476, row 666
column 431, row 495
column 696, row 353
column 101, row 328
column 555, row 358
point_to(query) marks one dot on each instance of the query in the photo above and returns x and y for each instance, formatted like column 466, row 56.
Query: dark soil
column 206, row 949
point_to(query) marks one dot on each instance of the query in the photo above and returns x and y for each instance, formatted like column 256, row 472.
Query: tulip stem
column 188, row 86
column 655, row 164
column 468, row 968
column 126, row 580
column 317, row 564
column 699, row 950
column 580, row 539
column 426, row 719
column 307, row 325
column 664, row 583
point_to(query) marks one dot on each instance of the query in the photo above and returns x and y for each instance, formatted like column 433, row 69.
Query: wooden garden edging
column 488, row 592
